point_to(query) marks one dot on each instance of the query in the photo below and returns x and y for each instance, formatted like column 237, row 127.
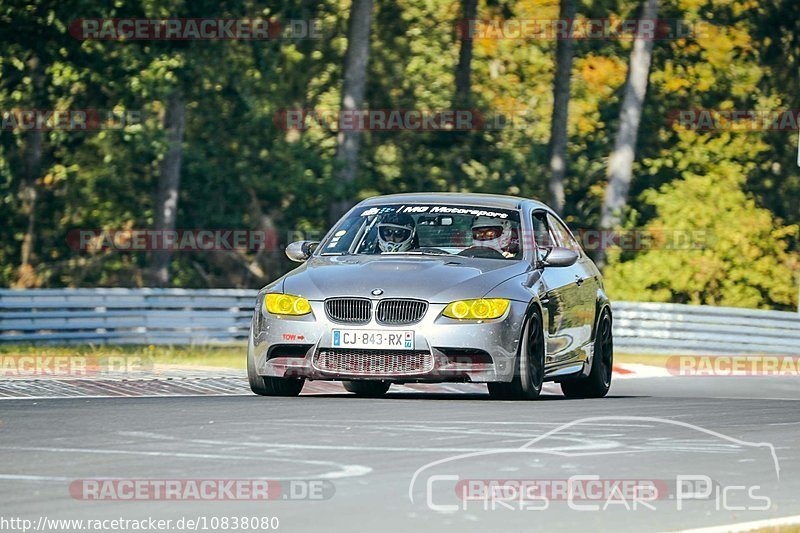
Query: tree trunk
column 32, row 163
column 620, row 163
column 464, row 68
column 355, row 81
column 31, row 168
column 565, row 50
column 169, row 179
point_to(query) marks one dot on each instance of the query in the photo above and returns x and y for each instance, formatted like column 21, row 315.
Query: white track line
column 23, row 477
column 105, row 396
column 638, row 371
column 343, row 470
column 747, row 526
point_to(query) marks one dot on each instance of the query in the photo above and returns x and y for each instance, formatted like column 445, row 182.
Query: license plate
column 375, row 339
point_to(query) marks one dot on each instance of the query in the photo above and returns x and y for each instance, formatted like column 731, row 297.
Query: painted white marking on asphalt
column 639, row 371
column 20, row 477
column 127, row 452
column 749, row 398
column 106, row 396
column 339, row 421
column 449, row 437
column 748, row 526
column 529, row 447
column 344, row 470
column 588, row 445
column 456, row 432
column 669, row 422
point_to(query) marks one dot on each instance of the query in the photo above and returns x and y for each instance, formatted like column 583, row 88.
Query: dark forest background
column 202, row 130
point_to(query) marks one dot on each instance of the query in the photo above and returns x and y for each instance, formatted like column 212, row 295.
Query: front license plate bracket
column 373, row 339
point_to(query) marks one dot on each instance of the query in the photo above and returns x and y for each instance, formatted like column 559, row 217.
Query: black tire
column 597, row 383
column 529, row 365
column 269, row 385
column 367, row 389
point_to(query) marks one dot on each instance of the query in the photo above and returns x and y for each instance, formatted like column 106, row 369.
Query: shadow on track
column 456, row 396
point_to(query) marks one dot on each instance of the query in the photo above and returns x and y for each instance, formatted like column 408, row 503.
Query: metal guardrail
column 125, row 316
column 178, row 316
column 701, row 329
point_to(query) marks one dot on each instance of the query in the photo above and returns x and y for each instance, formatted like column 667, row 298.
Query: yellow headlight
column 481, row 309
column 286, row 304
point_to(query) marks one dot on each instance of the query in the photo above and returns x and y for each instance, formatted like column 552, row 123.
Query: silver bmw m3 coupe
column 437, row 288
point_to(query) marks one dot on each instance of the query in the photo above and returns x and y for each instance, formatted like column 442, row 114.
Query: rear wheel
column 597, row 383
column 270, row 385
column 529, row 365
column 368, row 389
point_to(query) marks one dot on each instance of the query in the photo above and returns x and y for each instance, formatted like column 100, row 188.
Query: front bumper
column 452, row 350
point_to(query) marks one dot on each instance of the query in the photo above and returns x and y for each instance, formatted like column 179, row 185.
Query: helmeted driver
column 494, row 233
column 396, row 233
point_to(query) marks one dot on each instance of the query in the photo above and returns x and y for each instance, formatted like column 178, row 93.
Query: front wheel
column 269, row 385
column 529, row 365
column 597, row 383
column 368, row 389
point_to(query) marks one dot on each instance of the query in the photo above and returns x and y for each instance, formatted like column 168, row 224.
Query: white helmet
column 396, row 233
column 495, row 233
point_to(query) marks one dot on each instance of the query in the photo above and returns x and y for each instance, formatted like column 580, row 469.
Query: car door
column 583, row 292
column 563, row 298
column 559, row 291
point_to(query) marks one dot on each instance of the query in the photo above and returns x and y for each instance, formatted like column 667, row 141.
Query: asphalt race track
column 341, row 463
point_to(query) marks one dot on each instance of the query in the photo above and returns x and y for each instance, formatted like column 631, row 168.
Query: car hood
column 435, row 279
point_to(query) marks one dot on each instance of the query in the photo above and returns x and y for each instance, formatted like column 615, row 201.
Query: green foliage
column 711, row 243
column 242, row 170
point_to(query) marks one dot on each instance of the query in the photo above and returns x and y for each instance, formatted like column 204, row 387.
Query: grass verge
column 228, row 356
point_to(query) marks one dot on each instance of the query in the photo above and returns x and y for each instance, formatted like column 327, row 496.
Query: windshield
column 428, row 229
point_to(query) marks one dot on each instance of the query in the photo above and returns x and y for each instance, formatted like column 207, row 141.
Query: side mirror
column 560, row 257
column 301, row 250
